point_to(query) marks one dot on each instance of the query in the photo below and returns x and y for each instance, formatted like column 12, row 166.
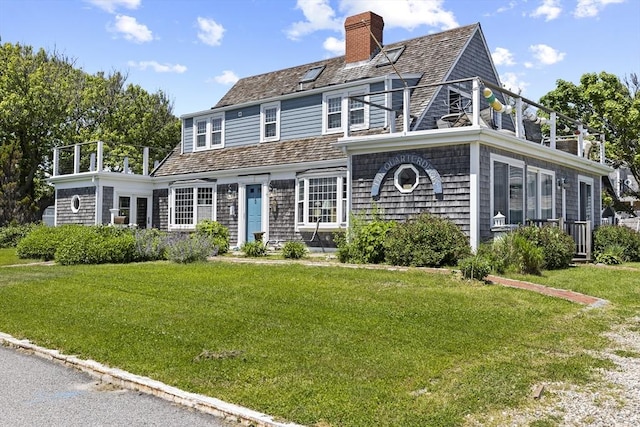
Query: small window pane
column 546, row 196
column 184, row 206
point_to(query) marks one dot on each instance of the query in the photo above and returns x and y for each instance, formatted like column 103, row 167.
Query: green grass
column 8, row 257
column 332, row 346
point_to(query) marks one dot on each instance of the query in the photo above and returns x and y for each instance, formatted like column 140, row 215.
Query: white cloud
column 591, row 8
column 131, row 29
column 550, row 9
column 502, row 56
column 111, row 5
column 210, row 31
column 319, row 16
column 408, row 14
column 546, row 55
column 512, row 82
column 157, row 67
column 227, row 77
column 334, row 46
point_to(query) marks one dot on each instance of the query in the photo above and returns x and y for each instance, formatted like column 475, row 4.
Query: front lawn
column 320, row 345
column 8, row 257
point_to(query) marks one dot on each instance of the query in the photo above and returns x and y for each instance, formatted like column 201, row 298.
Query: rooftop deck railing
column 99, row 156
column 558, row 131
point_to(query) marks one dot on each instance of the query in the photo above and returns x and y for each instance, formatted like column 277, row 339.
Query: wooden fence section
column 580, row 231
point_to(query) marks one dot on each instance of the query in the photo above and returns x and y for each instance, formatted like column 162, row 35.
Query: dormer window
column 208, row 132
column 459, row 101
column 270, row 122
column 345, row 107
column 312, row 74
column 391, row 57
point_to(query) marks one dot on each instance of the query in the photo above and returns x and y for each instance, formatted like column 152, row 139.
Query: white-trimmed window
column 585, row 197
column 208, row 132
column 406, row 178
column 507, row 188
column 270, row 122
column 321, row 199
column 540, row 193
column 338, row 108
column 191, row 204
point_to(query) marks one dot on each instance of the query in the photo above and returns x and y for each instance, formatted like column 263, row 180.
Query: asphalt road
column 38, row 392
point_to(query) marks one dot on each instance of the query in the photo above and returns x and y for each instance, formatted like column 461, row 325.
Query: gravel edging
column 127, row 380
column 613, row 401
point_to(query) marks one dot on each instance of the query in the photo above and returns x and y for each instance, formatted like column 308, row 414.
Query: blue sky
column 194, row 50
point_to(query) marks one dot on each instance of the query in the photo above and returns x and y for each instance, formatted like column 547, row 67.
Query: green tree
column 46, row 102
column 604, row 102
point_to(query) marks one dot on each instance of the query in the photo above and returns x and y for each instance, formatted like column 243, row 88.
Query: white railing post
column 76, row 158
column 552, row 131
column 580, row 140
column 602, row 152
column 145, row 161
column 476, row 102
column 100, row 153
column 519, row 127
column 56, row 160
column 406, row 110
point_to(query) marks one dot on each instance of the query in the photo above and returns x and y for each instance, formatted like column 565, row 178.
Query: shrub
column 42, row 241
column 254, row 249
column 426, row 241
column 611, row 255
column 11, row 234
column 364, row 240
column 518, row 254
column 185, row 248
column 475, row 267
column 97, row 245
column 218, row 233
column 607, row 236
column 151, row 244
column 557, row 246
column 294, row 250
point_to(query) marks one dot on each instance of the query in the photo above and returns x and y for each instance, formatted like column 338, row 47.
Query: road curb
column 127, row 380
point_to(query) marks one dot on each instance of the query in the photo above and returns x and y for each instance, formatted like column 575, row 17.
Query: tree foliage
column 604, row 102
column 45, row 101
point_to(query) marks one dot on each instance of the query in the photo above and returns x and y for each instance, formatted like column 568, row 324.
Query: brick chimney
column 360, row 46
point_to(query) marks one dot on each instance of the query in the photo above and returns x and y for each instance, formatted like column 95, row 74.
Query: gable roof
column 433, row 54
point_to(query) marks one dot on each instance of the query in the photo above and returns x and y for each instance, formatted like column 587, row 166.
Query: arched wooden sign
column 399, row 159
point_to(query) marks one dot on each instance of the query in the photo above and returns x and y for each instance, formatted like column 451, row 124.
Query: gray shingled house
column 407, row 127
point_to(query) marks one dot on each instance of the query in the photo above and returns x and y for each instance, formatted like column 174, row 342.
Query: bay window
column 322, row 199
column 191, row 204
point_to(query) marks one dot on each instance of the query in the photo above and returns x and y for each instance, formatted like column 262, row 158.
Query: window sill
column 326, row 226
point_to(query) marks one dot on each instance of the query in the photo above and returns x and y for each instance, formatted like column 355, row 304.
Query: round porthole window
column 406, row 178
column 75, row 203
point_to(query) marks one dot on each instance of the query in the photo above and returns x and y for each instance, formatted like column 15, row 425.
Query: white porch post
column 99, row 152
column 145, row 161
column 76, row 158
column 580, row 140
column 474, row 195
column 406, row 100
column 56, row 160
column 552, row 122
column 519, row 127
column 476, row 102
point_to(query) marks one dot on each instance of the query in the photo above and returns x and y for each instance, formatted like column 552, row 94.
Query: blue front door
column 254, row 211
